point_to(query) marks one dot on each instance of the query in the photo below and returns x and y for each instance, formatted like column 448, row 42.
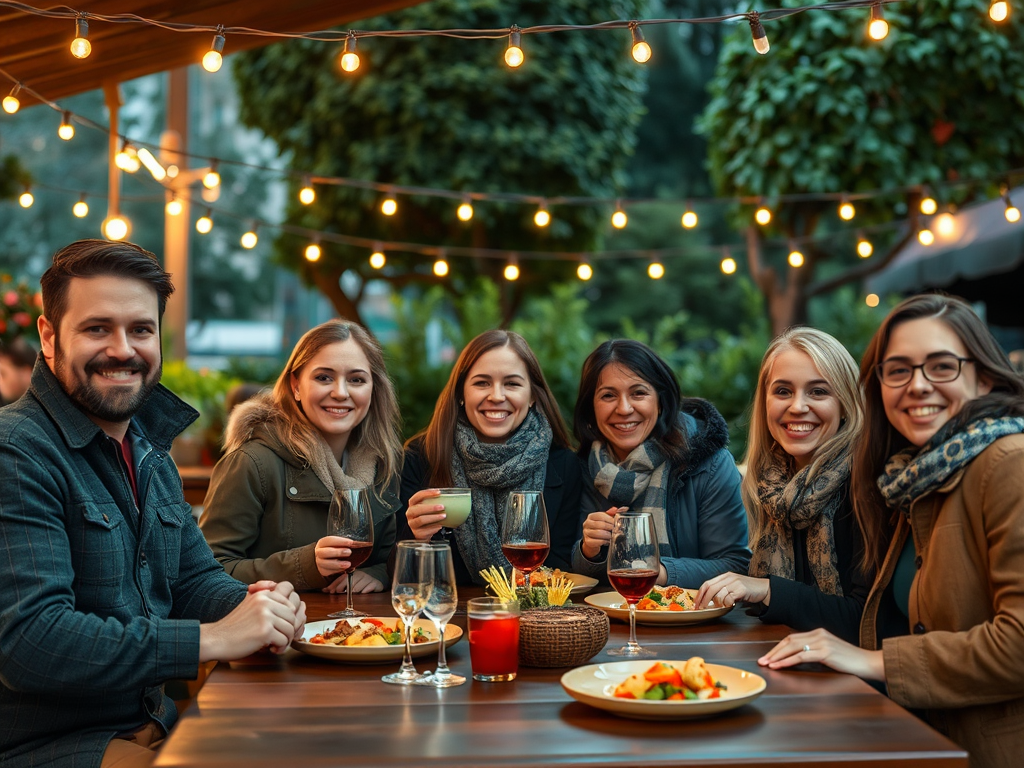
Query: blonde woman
column 331, row 422
column 805, row 420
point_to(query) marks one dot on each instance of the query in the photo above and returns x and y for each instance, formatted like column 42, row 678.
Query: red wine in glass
column 360, row 551
column 525, row 540
column 633, row 583
column 633, row 567
column 526, row 557
column 349, row 516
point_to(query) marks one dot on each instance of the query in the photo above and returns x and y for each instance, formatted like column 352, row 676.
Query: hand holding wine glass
column 633, row 566
column 440, row 607
column 525, row 540
column 349, row 517
column 410, row 590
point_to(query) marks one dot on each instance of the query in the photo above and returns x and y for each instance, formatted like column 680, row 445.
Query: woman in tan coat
column 938, row 485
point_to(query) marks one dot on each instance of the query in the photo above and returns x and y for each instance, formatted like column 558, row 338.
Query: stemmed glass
column 441, row 605
column 525, row 540
column 633, row 567
column 350, row 517
column 410, row 590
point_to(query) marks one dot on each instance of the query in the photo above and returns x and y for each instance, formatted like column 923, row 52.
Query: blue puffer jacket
column 707, row 524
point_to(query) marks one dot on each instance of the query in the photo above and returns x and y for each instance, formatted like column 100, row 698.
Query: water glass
column 410, row 591
column 440, row 607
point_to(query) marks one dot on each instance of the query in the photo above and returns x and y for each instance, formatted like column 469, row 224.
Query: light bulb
column 26, row 199
column 728, row 265
column 464, row 212
column 307, row 194
column 66, row 130
column 757, row 33
column 641, row 50
column 116, row 228
column 584, row 271
column 847, row 211
column 511, row 271
column 249, row 239
column 174, row 207
column 878, row 27
column 864, row 248
column 11, row 102
column 763, row 216
column 212, row 59
column 212, row 178
column 377, row 260
column 81, row 208
column 542, row 218
column 389, row 207
column 999, row 10
column 796, row 259
column 80, row 46
column 313, row 252
column 514, row 56
column 156, row 170
column 689, row 220
column 1012, row 213
column 929, row 206
column 925, row 237
column 619, row 219
column 349, row 60
column 871, row 299
column 204, row 224
column 440, row 267
column 945, row 224
column 655, row 270
column 127, row 159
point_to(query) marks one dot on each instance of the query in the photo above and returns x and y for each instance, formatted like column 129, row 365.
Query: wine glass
column 410, row 590
column 440, row 607
column 350, row 517
column 633, row 567
column 524, row 532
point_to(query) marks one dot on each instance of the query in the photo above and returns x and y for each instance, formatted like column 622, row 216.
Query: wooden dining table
column 297, row 710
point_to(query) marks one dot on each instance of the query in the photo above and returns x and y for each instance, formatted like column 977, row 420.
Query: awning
column 982, row 243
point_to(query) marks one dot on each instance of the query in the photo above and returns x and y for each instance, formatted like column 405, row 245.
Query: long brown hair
column 881, row 440
column 836, row 365
column 380, row 431
column 439, row 436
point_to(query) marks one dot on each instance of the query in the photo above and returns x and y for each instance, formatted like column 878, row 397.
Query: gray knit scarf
column 789, row 504
column 639, row 482
column 492, row 470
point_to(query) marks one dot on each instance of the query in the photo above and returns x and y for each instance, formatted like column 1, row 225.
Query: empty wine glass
column 525, row 540
column 633, row 567
column 410, row 590
column 440, row 607
column 350, row 517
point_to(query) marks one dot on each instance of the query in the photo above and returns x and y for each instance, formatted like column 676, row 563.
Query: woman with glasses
column 938, row 484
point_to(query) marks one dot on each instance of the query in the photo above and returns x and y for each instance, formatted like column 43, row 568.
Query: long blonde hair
column 380, row 431
column 836, row 365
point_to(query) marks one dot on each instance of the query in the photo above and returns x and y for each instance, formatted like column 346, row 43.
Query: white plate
column 372, row 654
column 580, row 584
column 594, row 684
column 615, row 606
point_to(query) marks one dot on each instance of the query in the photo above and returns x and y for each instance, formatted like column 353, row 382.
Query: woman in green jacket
column 330, row 422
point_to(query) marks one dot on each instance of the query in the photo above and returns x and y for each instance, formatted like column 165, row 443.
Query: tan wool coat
column 963, row 662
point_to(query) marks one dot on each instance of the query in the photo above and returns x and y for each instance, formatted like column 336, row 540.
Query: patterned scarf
column 913, row 473
column 492, row 470
column 640, row 482
column 789, row 504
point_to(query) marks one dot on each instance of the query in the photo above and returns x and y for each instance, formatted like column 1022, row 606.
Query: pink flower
column 22, row 319
column 11, row 298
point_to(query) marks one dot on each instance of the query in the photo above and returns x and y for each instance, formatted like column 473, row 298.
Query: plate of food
column 370, row 640
column 662, row 605
column 663, row 690
column 580, row 584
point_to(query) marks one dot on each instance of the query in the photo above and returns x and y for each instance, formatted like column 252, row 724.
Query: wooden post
column 173, row 143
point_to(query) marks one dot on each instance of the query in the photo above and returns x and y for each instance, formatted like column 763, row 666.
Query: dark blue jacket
column 100, row 602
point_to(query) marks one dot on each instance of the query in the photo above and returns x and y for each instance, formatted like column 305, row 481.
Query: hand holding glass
column 349, row 517
column 458, row 504
column 633, row 567
column 525, row 540
column 440, row 607
column 410, row 590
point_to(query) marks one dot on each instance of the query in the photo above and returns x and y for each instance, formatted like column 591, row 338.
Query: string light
column 250, row 238
column 313, row 251
column 945, row 224
column 81, row 208
column 655, row 270
column 377, row 259
column 213, row 58
column 878, row 27
column 871, row 299
column 728, row 265
column 1012, row 213
column 66, row 130
column 763, row 216
column 156, row 170
column 928, row 204
column 174, row 206
column 349, row 60
column 307, row 194
column 26, row 199
column 116, row 227
column 999, row 10
column 584, row 271
column 514, row 56
column 757, row 33
column 795, row 259
column 212, row 177
column 80, row 46
column 619, row 218
column 864, row 247
column 11, row 102
column 846, row 210
column 641, row 50
column 689, row 220
column 512, row 270
column 464, row 211
column 542, row 218
column 204, row 223
column 389, row 207
column 925, row 236
column 440, row 267
column 127, row 159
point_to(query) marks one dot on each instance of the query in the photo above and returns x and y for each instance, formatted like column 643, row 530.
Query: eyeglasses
column 940, row 369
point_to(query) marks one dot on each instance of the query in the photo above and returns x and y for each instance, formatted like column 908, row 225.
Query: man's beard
column 111, row 406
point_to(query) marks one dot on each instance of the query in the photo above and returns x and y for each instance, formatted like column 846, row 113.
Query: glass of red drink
column 349, row 517
column 493, row 638
column 633, row 567
column 525, row 540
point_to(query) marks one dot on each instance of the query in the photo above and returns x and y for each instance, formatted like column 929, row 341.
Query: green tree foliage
column 829, row 110
column 448, row 113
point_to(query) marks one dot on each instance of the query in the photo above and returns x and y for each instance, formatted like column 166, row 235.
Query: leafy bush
column 20, row 307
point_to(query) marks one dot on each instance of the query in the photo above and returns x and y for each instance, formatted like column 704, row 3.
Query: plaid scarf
column 640, row 482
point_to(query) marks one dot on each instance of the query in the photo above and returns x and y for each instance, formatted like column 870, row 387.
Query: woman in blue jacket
column 646, row 448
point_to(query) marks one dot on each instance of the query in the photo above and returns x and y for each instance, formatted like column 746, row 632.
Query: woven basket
column 561, row 637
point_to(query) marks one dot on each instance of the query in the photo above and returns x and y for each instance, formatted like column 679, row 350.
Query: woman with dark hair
column 496, row 428
column 648, row 449
column 331, row 422
column 938, row 490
